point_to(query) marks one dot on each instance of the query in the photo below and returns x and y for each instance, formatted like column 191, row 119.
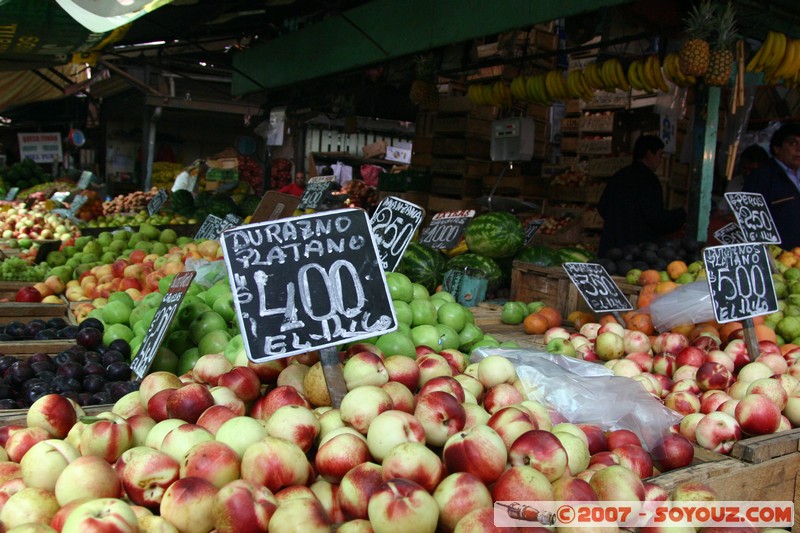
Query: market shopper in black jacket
column 632, row 205
column 779, row 182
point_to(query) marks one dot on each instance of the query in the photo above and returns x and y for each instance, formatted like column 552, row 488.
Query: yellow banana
column 668, row 73
column 605, row 74
column 587, row 93
column 662, row 84
column 633, row 79
column 550, row 85
column 572, row 88
column 488, row 94
column 758, row 57
column 474, row 93
column 587, row 73
column 647, row 74
column 777, row 52
column 644, row 76
column 515, row 87
column 789, row 60
column 595, row 82
column 562, row 85
column 619, row 75
column 530, row 89
column 541, row 89
column 765, row 51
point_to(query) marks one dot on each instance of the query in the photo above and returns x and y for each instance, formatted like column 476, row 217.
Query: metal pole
column 706, row 123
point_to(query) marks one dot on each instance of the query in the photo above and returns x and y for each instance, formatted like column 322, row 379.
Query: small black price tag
column 314, row 193
column 446, row 229
column 12, row 193
column 740, row 281
column 307, row 283
column 154, row 205
column 729, row 234
column 531, row 228
column 597, row 287
column 393, row 226
column 45, row 247
column 752, row 214
column 161, row 321
column 213, row 226
column 232, row 221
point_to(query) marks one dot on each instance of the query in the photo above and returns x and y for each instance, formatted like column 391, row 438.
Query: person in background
column 632, row 205
column 779, row 182
column 296, row 187
column 752, row 158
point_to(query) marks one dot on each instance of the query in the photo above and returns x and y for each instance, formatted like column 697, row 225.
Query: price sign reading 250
column 740, row 281
column 306, row 283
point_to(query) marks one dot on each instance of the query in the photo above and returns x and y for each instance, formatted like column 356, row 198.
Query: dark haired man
column 632, row 205
column 779, row 182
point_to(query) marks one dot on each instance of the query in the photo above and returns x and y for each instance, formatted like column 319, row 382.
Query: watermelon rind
column 540, row 256
column 487, row 265
column 423, row 265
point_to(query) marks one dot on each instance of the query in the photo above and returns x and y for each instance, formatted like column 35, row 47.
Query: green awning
column 386, row 29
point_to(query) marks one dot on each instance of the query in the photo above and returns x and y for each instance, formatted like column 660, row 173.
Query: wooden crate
column 25, row 312
column 19, row 417
column 456, row 186
column 8, row 289
column 462, row 125
column 24, row 349
column 459, row 166
column 438, row 204
column 487, row 317
column 460, row 147
column 551, row 285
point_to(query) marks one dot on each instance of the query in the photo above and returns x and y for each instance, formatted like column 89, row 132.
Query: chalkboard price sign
column 393, row 225
column 446, row 229
column 12, row 193
column 161, row 321
column 213, row 226
column 307, row 283
column 154, row 205
column 597, row 287
column 531, row 228
column 729, row 234
column 77, row 203
column 314, row 192
column 740, row 281
column 752, row 214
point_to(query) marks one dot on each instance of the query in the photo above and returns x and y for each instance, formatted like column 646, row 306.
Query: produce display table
column 487, row 317
column 25, row 312
column 181, row 230
column 551, row 285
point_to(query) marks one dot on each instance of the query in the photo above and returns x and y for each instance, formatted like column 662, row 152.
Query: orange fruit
column 683, row 329
column 605, row 319
column 627, row 316
column 646, row 296
column 788, row 347
column 700, row 329
column 649, row 276
column 552, row 315
column 663, row 287
column 583, row 318
column 676, row 269
column 725, row 330
column 765, row 333
column 535, row 324
column 641, row 322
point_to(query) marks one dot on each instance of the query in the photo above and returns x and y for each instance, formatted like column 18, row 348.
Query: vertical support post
column 706, row 125
column 149, row 144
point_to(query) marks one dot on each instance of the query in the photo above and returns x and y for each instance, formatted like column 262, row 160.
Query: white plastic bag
column 588, row 393
column 208, row 272
column 688, row 304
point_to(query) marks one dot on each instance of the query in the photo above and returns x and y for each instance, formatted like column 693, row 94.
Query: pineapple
column 720, row 61
column 694, row 53
column 424, row 92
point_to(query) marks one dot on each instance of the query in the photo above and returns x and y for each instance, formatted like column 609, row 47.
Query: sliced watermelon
column 495, row 235
column 541, row 256
column 574, row 255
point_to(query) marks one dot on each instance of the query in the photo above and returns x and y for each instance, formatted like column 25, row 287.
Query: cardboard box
column 376, row 149
column 398, row 155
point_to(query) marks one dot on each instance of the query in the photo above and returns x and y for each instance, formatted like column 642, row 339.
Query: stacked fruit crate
column 460, row 148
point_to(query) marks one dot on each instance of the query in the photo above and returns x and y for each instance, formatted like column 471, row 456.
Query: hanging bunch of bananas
column 672, row 71
column 612, row 76
column 492, row 94
column 778, row 58
column 645, row 75
column 578, row 87
column 530, row 89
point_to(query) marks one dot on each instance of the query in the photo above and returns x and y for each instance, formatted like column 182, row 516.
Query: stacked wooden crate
column 460, row 148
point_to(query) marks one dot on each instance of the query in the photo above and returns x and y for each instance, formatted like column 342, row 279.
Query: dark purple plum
column 63, row 357
column 99, row 398
column 89, row 338
column 93, row 383
column 4, row 337
column 101, row 349
column 63, row 383
column 94, row 368
column 37, row 357
column 36, row 392
column 43, row 366
column 34, row 327
column 16, row 330
column 8, row 403
column 77, row 351
column 83, row 397
column 46, row 375
column 46, row 335
column 92, row 323
column 57, row 323
column 122, row 346
column 121, row 388
column 92, row 357
column 70, row 395
column 5, row 362
column 19, row 373
column 6, row 392
column 71, row 370
column 118, row 372
column 112, row 356
column 69, row 332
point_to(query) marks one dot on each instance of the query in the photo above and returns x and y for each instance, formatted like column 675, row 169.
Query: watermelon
column 540, row 256
column 423, row 265
column 574, row 255
column 495, row 235
column 485, row 264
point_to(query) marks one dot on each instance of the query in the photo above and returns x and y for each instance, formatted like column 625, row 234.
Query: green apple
column 469, row 336
column 164, row 361
column 122, row 235
column 121, row 296
column 183, row 241
column 443, row 295
column 164, row 283
column 179, row 341
column 105, row 238
column 117, row 331
column 427, row 335
column 213, row 342
column 159, row 248
column 452, row 314
column 225, row 308
column 135, row 343
column 403, row 311
column 151, row 232
column 116, row 312
column 217, row 290
column 419, row 292
column 400, row 286
column 396, row 343
column 168, row 236
column 448, row 336
column 190, row 311
column 153, row 299
column 187, row 360
column 234, row 348
column 423, row 312
column 207, row 322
